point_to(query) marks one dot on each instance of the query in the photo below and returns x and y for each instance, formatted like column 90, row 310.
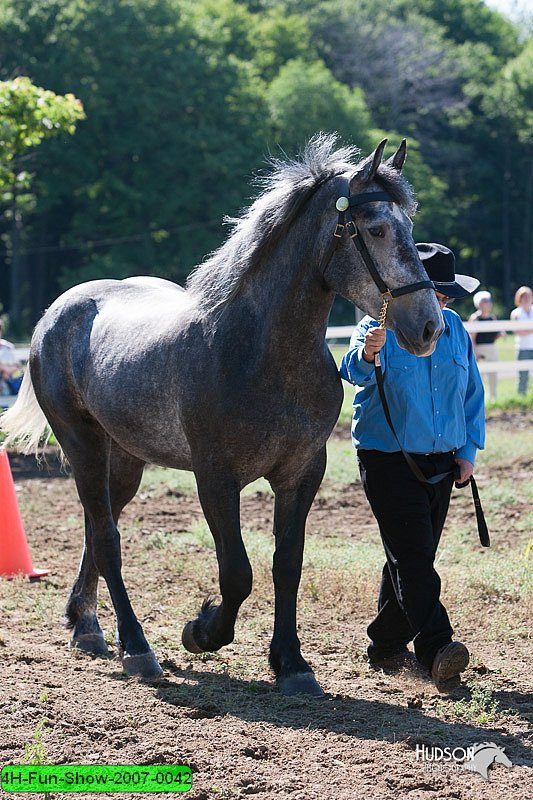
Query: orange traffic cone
column 15, row 555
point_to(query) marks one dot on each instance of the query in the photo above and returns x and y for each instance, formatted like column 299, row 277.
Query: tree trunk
column 39, row 273
column 15, row 281
column 19, row 289
column 527, row 253
column 507, row 289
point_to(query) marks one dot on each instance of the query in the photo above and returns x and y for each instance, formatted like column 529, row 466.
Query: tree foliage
column 305, row 98
column 184, row 98
column 469, row 21
column 511, row 96
column 28, row 115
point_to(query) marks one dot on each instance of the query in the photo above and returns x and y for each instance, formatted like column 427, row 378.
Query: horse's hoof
column 144, row 665
column 93, row 643
column 300, row 683
column 188, row 640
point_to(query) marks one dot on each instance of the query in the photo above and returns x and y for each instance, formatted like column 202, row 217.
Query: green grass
column 341, row 468
column 481, row 709
column 504, row 444
column 176, row 481
column 507, row 492
column 493, row 576
column 35, row 750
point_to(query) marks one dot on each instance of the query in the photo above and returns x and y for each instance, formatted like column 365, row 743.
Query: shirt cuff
column 355, row 369
column 366, row 367
column 467, row 451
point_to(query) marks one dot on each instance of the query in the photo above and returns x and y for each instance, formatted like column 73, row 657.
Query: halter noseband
column 345, row 202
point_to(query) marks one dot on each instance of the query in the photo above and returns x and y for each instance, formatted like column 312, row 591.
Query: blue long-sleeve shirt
column 436, row 402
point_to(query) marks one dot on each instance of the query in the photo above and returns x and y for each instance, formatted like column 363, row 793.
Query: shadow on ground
column 204, row 695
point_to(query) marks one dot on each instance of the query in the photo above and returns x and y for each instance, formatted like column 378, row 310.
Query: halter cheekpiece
column 344, row 203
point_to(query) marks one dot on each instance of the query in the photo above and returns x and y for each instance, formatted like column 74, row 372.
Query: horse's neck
column 290, row 304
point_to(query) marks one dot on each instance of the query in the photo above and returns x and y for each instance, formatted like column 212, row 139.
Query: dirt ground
column 220, row 713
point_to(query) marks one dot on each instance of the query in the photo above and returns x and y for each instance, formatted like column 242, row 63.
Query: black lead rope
column 480, row 517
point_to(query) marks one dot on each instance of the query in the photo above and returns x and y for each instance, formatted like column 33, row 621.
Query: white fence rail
column 21, row 353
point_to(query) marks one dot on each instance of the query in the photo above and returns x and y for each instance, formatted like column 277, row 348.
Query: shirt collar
column 447, row 328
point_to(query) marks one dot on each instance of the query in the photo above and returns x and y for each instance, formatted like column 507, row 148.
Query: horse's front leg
column 293, row 673
column 219, row 494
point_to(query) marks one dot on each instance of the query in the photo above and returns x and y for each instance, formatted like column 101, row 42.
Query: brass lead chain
column 383, row 310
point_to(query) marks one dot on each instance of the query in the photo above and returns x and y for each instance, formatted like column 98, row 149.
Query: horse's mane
column 483, row 746
column 285, row 190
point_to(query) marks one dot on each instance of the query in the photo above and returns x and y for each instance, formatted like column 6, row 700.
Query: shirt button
column 435, row 367
column 436, row 412
column 435, row 389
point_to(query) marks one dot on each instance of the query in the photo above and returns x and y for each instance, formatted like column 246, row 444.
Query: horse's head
column 485, row 754
column 384, row 231
column 502, row 758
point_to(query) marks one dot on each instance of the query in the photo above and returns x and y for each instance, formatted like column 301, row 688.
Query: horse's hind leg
column 88, row 449
column 219, row 496
column 124, row 478
column 80, row 612
column 293, row 501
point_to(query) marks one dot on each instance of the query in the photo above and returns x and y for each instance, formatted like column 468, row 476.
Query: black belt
column 415, row 469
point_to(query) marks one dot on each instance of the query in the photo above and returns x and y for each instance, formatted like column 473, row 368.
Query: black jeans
column 411, row 517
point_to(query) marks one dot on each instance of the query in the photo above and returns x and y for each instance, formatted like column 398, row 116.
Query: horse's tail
column 25, row 423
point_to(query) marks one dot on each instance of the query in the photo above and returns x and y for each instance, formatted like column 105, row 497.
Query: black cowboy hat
column 439, row 263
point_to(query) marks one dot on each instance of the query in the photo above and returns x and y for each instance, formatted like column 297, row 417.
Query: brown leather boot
column 450, row 660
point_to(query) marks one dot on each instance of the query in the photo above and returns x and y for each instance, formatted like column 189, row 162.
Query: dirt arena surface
column 220, row 713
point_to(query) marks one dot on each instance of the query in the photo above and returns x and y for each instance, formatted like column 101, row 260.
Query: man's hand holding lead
column 374, row 341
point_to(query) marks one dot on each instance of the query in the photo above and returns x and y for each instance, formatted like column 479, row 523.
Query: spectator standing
column 524, row 339
column 484, row 342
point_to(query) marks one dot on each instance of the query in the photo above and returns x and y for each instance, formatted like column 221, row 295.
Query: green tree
column 468, row 21
column 184, row 98
column 427, row 81
column 28, row 116
column 305, row 98
column 511, row 96
column 175, row 124
column 508, row 105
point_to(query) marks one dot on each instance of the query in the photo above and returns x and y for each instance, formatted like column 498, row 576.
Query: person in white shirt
column 524, row 339
column 484, row 342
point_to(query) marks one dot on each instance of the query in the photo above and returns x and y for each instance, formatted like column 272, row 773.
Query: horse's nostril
column 429, row 331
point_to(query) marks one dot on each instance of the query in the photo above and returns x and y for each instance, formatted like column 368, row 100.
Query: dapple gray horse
column 230, row 378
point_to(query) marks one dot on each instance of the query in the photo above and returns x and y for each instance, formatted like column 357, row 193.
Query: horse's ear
column 368, row 168
column 398, row 159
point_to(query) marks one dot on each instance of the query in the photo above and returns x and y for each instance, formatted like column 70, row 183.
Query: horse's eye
column 378, row 231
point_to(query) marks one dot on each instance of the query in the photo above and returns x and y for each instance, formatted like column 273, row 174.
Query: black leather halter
column 344, row 203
